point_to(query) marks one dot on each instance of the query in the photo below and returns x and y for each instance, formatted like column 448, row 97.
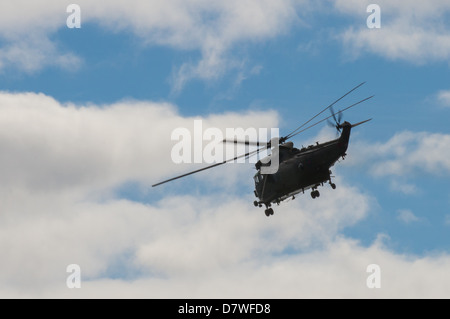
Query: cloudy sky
column 85, row 130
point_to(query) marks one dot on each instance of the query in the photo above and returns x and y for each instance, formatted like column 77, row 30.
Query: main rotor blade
column 367, row 98
column 362, row 122
column 334, row 116
column 245, row 142
column 331, row 124
column 211, row 166
column 292, row 133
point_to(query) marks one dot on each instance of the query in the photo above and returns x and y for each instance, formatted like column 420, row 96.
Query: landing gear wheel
column 255, row 203
column 268, row 212
column 333, row 185
column 315, row 194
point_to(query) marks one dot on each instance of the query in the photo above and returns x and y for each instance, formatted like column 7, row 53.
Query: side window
column 257, row 177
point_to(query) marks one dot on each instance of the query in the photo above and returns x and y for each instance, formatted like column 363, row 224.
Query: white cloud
column 177, row 247
column 53, row 146
column 59, row 159
column 25, row 33
column 447, row 219
column 443, row 98
column 410, row 30
column 404, row 157
column 403, row 187
column 211, row 28
column 407, row 216
column 32, row 53
column 406, row 153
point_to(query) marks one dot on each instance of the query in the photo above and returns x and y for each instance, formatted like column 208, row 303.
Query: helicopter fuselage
column 289, row 170
column 300, row 169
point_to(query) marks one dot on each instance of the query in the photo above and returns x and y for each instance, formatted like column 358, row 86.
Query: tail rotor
column 337, row 120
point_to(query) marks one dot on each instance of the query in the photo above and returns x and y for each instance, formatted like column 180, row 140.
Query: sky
column 87, row 117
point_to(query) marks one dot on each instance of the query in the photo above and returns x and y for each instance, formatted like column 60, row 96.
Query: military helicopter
column 298, row 169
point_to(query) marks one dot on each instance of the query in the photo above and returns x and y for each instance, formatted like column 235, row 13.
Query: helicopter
column 298, row 170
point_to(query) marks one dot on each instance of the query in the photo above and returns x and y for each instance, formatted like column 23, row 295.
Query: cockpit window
column 257, row 177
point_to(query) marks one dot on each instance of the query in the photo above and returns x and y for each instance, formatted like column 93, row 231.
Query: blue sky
column 91, row 145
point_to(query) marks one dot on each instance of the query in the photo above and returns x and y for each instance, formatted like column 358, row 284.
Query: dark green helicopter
column 298, row 169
